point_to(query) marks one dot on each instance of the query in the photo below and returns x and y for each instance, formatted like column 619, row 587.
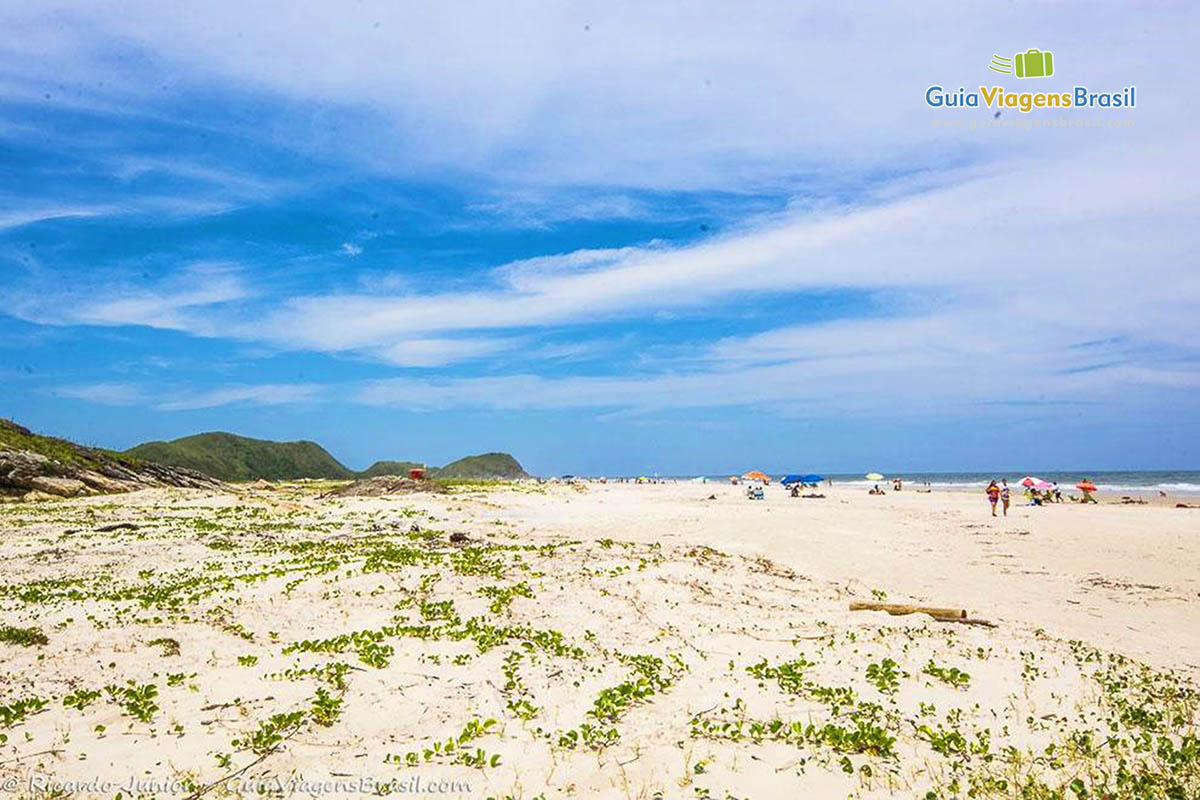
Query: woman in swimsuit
column 993, row 493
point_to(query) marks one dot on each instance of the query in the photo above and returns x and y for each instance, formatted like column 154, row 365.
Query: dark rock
column 90, row 472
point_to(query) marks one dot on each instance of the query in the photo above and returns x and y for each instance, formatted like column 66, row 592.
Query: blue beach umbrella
column 809, row 478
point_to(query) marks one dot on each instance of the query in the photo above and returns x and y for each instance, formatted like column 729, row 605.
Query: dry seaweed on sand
column 385, row 485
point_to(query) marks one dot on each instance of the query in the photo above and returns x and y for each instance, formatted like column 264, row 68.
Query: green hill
column 481, row 467
column 238, row 458
column 389, row 468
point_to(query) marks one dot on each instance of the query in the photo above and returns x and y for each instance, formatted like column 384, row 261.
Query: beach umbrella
column 874, row 476
column 809, row 478
column 757, row 475
column 1035, row 483
column 1085, row 486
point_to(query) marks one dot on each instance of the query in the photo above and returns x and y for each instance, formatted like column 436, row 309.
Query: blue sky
column 605, row 238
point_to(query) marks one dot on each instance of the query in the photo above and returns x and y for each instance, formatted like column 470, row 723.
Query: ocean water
column 1171, row 482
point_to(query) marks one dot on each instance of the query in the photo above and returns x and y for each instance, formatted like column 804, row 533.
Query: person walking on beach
column 993, row 493
column 1004, row 495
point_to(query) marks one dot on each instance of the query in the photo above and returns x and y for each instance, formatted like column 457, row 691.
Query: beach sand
column 595, row 641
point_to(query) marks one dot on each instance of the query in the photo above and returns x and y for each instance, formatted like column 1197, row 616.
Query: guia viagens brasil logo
column 1033, row 63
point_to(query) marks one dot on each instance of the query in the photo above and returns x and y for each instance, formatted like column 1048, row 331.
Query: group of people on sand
column 997, row 494
column 1000, row 493
column 897, row 485
column 1039, row 497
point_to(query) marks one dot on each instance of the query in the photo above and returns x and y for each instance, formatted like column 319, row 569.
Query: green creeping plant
column 17, row 710
column 453, row 750
column 137, row 701
column 270, row 734
column 953, row 676
column 325, row 708
column 885, row 676
column 502, row 596
column 25, row 637
column 80, row 698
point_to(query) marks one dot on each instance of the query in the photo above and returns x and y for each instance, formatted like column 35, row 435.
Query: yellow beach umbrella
column 874, row 476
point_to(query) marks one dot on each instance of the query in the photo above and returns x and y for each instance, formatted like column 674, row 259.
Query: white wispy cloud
column 15, row 218
column 234, row 184
column 978, row 241
column 271, row 394
column 181, row 301
column 435, row 352
column 175, row 398
column 524, row 207
column 900, row 383
column 106, row 394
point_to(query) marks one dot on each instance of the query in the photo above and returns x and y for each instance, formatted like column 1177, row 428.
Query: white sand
column 1125, row 577
column 709, row 587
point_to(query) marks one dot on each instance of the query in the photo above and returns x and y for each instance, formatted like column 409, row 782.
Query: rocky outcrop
column 37, row 465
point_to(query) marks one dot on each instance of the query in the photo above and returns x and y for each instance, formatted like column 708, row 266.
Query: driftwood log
column 940, row 614
column 897, row 609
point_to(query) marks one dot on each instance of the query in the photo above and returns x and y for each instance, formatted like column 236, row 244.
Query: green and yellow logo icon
column 1033, row 63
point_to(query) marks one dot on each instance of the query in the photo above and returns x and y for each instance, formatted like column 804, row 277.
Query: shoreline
column 1104, row 495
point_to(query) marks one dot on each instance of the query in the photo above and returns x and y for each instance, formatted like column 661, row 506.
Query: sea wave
column 1165, row 487
column 1190, row 488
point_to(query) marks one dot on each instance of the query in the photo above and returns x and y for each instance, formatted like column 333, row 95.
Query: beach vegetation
column 80, row 698
column 23, row 637
column 949, row 675
column 136, row 700
column 170, row 647
column 271, row 733
column 15, row 712
column 885, row 676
